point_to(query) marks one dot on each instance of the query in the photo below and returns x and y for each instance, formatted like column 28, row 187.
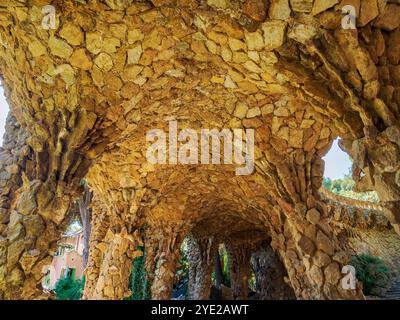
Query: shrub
column 226, row 279
column 226, row 276
column 68, row 288
column 372, row 272
column 138, row 280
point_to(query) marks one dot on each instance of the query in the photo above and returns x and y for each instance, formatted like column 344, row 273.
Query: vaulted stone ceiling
column 85, row 94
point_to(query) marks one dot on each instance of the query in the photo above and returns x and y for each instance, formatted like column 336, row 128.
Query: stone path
column 394, row 292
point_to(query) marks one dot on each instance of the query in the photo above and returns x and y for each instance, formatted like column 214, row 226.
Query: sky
column 337, row 162
column 3, row 113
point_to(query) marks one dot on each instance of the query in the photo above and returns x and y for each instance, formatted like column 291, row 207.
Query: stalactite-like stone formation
column 84, row 95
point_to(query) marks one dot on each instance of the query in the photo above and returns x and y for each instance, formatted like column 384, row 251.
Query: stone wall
column 271, row 276
column 89, row 90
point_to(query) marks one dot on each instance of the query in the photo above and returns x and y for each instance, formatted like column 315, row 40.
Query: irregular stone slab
column 389, row 19
column 322, row 5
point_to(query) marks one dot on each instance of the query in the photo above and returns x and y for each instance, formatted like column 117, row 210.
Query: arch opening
column 4, row 110
column 338, row 175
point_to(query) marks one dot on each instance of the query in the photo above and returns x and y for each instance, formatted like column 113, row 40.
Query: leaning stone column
column 116, row 267
column 33, row 208
column 35, row 226
column 100, row 223
column 314, row 256
column 270, row 274
column 13, row 156
column 201, row 253
column 167, row 259
column 150, row 245
column 239, row 268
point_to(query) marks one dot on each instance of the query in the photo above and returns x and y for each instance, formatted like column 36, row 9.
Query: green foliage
column 252, row 282
column 226, row 278
column 74, row 226
column 68, row 288
column 344, row 187
column 372, row 272
column 138, row 281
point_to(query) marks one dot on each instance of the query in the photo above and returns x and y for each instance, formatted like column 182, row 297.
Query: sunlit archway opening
column 337, row 175
column 4, row 108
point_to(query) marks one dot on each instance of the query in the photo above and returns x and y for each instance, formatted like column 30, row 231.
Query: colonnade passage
column 88, row 81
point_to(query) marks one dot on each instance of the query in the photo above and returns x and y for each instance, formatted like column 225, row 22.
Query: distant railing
column 349, row 201
column 355, row 214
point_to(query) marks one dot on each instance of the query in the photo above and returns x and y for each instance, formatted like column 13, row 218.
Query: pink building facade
column 67, row 260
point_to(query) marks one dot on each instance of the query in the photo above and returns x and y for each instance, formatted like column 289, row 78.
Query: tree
column 69, row 288
column 372, row 272
column 344, row 187
column 327, row 184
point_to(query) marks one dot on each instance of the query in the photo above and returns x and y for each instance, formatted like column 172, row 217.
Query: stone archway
column 270, row 275
column 85, row 94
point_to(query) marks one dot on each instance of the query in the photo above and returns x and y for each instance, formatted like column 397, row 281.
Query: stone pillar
column 201, row 252
column 150, row 259
column 36, row 221
column 116, row 267
column 37, row 189
column 13, row 156
column 313, row 256
column 270, row 274
column 301, row 232
column 32, row 212
column 167, row 259
column 100, row 224
column 239, row 268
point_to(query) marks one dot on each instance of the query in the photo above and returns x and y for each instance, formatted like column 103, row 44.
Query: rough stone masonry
column 84, row 94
